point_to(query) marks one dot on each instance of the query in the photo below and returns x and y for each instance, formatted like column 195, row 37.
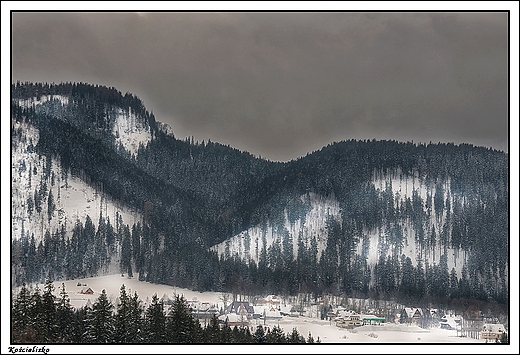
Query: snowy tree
column 49, row 329
column 122, row 325
column 100, row 321
column 155, row 321
column 276, row 336
column 126, row 252
column 51, row 206
column 211, row 333
column 37, row 315
column 259, row 335
column 64, row 316
column 20, row 319
column 295, row 337
column 181, row 327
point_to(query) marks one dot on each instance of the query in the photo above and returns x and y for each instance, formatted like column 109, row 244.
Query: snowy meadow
column 325, row 330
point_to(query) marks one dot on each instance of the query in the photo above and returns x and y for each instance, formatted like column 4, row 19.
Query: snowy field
column 327, row 331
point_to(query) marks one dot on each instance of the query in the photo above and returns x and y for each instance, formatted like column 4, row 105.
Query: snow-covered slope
column 44, row 197
column 402, row 189
column 64, row 100
column 248, row 244
column 131, row 132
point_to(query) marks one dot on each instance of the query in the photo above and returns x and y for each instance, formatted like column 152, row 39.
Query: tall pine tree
column 100, row 321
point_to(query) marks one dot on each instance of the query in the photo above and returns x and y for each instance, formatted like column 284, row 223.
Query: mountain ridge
column 193, row 196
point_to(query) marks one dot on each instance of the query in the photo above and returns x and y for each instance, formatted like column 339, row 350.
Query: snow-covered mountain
column 45, row 196
column 313, row 225
column 97, row 181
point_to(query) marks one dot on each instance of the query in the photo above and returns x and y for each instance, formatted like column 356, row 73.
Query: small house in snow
column 233, row 319
column 492, row 331
column 348, row 320
column 450, row 321
column 240, row 308
column 270, row 300
column 267, row 313
column 411, row 315
column 87, row 291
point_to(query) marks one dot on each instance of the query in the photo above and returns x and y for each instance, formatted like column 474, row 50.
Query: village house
column 373, row 320
column 450, row 321
column 411, row 315
column 241, row 308
column 233, row 319
column 202, row 310
column 492, row 331
column 270, row 300
column 291, row 311
column 266, row 312
column 348, row 319
column 87, row 291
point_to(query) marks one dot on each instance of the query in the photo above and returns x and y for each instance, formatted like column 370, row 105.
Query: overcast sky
column 282, row 84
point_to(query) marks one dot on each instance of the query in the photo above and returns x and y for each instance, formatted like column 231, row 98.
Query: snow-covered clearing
column 130, row 131
column 112, row 285
column 326, row 330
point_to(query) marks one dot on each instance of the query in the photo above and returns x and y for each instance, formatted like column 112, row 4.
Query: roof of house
column 237, row 306
column 411, row 311
column 494, row 328
column 450, row 320
column 232, row 318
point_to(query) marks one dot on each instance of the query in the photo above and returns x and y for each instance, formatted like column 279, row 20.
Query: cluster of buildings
column 423, row 318
column 243, row 313
column 349, row 319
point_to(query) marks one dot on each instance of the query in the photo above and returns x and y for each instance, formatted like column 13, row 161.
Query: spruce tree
column 64, row 316
column 100, row 322
column 49, row 330
column 295, row 337
column 259, row 335
column 135, row 330
column 310, row 339
column 155, row 321
column 21, row 320
column 276, row 336
column 122, row 318
column 37, row 316
column 212, row 331
column 180, row 324
column 128, row 319
column 226, row 334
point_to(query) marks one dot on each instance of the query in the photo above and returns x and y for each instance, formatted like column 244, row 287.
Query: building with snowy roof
column 492, row 331
column 240, row 308
column 233, row 319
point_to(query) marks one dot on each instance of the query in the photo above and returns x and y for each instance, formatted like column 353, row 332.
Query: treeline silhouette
column 41, row 317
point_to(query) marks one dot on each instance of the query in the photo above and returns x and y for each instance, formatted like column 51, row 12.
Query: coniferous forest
column 194, row 195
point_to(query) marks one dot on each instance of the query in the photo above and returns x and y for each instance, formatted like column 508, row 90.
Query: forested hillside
column 371, row 218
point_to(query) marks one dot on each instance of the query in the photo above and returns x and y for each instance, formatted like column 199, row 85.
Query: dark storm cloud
column 281, row 84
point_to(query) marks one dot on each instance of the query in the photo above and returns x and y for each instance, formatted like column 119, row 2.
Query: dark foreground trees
column 50, row 319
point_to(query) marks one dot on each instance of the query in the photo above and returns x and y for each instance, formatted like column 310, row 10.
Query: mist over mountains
column 100, row 186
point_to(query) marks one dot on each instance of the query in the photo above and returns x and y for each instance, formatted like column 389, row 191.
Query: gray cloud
column 282, row 84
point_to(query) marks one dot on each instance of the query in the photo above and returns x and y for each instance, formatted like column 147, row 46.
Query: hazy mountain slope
column 355, row 216
column 61, row 198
